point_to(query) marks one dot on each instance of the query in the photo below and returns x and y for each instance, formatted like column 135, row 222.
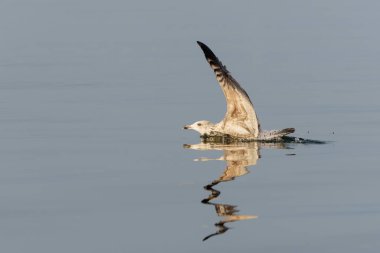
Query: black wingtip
column 201, row 44
column 207, row 51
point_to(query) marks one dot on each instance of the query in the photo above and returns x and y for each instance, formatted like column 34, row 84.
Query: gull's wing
column 240, row 116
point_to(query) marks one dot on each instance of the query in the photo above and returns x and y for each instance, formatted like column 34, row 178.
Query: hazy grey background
column 93, row 95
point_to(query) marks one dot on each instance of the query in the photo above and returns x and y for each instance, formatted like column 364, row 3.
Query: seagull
column 240, row 121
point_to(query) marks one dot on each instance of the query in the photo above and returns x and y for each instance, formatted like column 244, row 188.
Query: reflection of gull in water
column 238, row 157
column 240, row 121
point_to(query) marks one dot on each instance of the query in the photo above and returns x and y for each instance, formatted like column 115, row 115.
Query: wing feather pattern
column 240, row 118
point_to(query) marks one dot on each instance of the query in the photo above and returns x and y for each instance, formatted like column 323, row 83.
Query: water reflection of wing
column 227, row 212
column 238, row 157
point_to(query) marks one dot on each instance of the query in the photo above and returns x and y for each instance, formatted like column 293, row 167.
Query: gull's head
column 203, row 127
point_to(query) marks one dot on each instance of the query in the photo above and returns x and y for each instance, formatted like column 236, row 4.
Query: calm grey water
column 93, row 96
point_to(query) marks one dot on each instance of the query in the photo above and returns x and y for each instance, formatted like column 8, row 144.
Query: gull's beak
column 187, row 127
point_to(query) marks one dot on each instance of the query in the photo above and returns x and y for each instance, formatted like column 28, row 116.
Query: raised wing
column 240, row 118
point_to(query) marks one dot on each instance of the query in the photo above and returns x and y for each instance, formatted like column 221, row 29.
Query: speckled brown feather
column 240, row 118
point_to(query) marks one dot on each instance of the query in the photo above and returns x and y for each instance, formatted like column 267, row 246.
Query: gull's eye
column 199, row 124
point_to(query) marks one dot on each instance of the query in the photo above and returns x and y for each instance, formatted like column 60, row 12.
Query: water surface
column 94, row 94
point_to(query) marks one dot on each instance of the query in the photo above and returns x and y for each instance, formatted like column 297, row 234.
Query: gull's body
column 240, row 121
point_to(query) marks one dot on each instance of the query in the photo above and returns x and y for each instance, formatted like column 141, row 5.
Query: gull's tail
column 286, row 131
column 275, row 134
